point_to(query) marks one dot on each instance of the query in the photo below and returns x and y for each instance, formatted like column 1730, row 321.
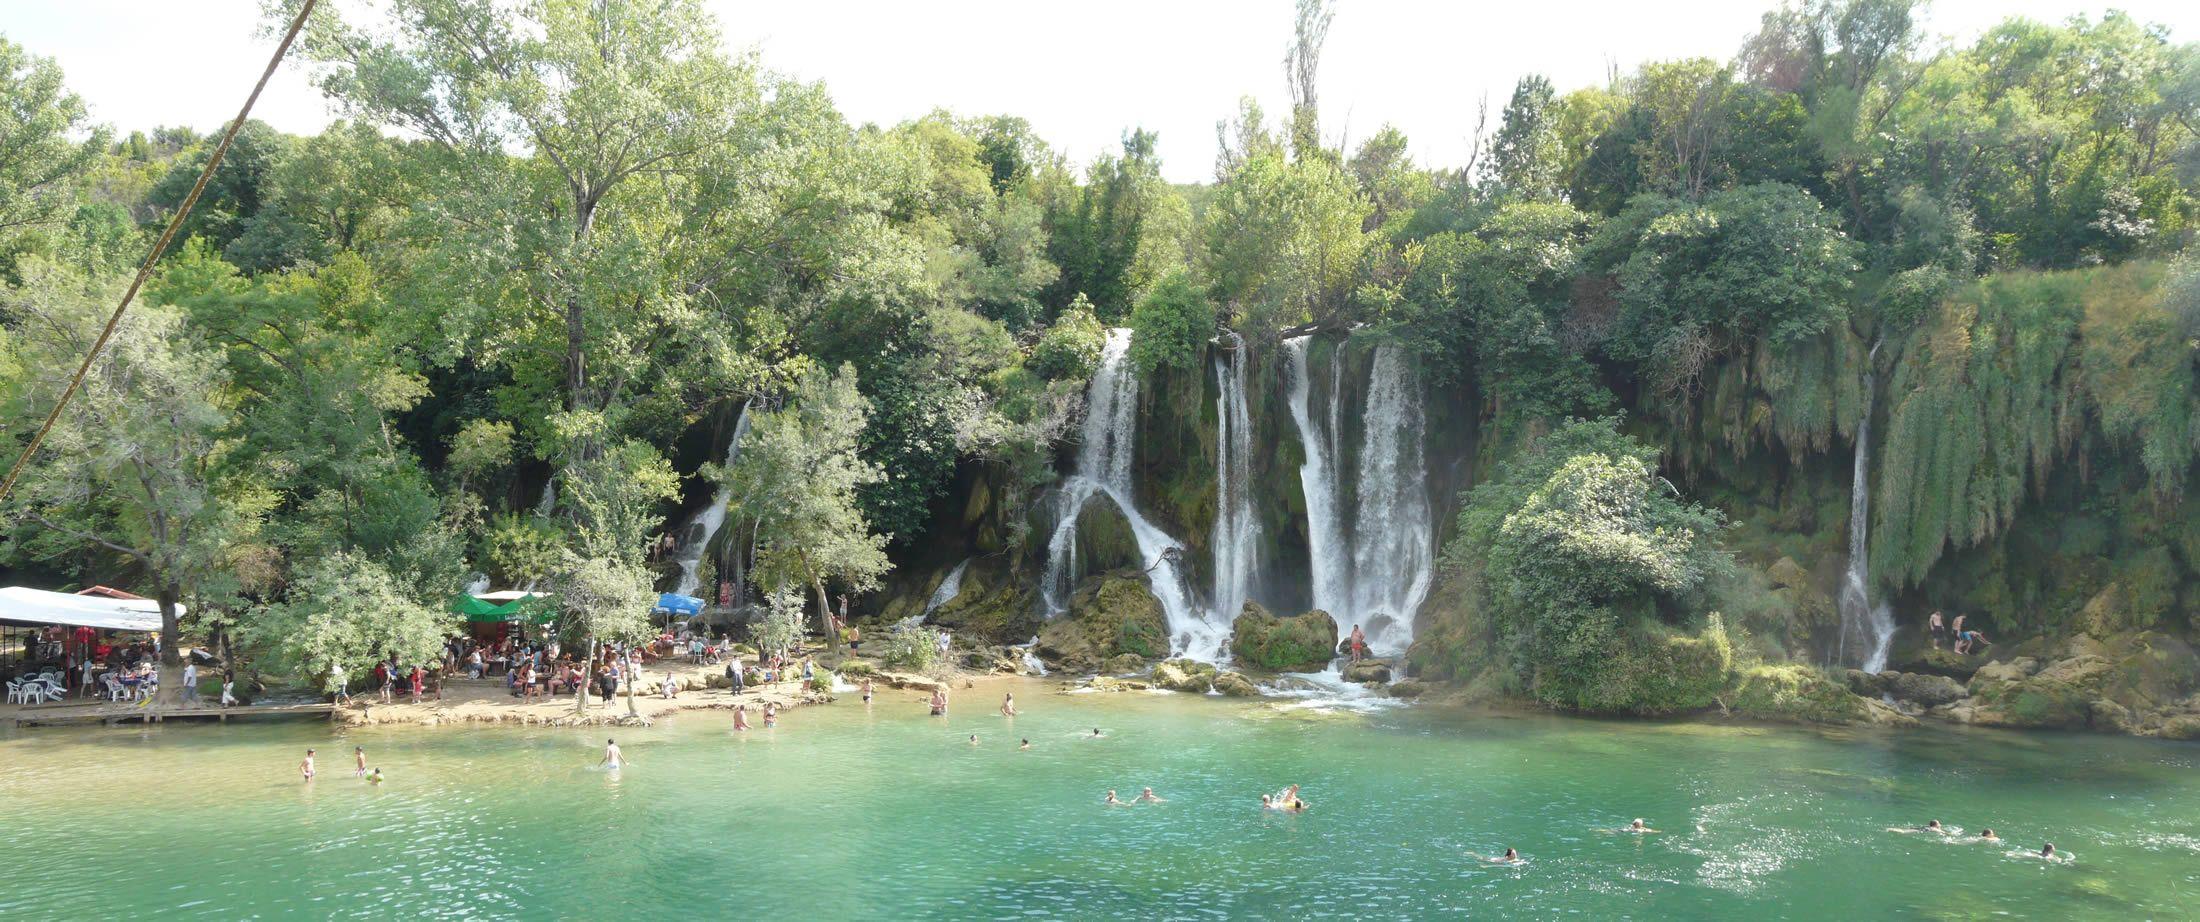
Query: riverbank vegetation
column 504, row 316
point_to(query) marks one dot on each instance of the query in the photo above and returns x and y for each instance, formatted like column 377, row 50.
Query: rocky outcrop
column 994, row 606
column 1235, row 685
column 1298, row 643
column 1367, row 672
column 2140, row 682
column 1804, row 694
column 1112, row 615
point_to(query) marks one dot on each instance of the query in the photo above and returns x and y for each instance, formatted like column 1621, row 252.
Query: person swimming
column 973, row 739
column 375, row 777
column 2047, row 852
column 1147, row 797
column 1096, row 734
column 1509, row 857
column 1026, row 746
column 1931, row 826
column 1987, row 835
column 1637, row 827
column 1112, row 801
column 1287, row 800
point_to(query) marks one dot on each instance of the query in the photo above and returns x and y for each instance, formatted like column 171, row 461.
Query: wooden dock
column 101, row 714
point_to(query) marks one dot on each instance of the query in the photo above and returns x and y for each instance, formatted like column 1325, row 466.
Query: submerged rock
column 1298, row 643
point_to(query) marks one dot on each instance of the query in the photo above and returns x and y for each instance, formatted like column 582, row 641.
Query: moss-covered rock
column 1235, row 685
column 1796, row 692
column 1298, row 643
column 1112, row 615
column 1124, row 664
column 1368, row 672
column 1661, row 673
column 1184, row 675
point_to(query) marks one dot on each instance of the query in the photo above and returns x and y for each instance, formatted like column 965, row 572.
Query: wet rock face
column 2139, row 683
column 1298, row 643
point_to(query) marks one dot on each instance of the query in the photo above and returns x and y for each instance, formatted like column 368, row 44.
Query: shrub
column 910, row 646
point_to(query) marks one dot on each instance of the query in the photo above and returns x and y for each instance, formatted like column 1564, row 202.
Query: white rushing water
column 1032, row 665
column 1237, row 531
column 1867, row 630
column 1329, row 557
column 1393, row 553
column 948, row 588
column 695, row 536
column 1376, row 573
column 1103, row 471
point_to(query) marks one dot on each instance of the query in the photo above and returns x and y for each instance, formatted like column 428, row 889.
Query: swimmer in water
column 305, row 768
column 612, row 758
column 1026, row 747
column 1008, row 705
column 1987, row 835
column 1096, row 734
column 1637, row 827
column 1147, row 797
column 771, row 714
column 1931, row 826
column 2048, row 853
column 1112, row 801
column 939, row 702
column 973, row 739
column 740, row 716
column 376, row 777
column 1267, row 802
column 866, row 690
column 1509, row 857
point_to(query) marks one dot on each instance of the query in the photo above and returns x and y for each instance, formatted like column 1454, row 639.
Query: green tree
column 1171, row 326
column 797, row 480
column 606, row 600
column 46, row 144
column 137, row 464
column 344, row 612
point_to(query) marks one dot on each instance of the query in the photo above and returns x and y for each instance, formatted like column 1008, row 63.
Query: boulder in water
column 1235, row 685
column 1368, row 672
column 1111, row 616
column 1124, row 664
column 1184, row 675
column 1298, row 643
column 1923, row 690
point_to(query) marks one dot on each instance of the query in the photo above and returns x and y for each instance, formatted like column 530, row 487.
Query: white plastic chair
column 17, row 694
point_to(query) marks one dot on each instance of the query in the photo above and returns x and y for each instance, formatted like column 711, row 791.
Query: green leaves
column 344, row 612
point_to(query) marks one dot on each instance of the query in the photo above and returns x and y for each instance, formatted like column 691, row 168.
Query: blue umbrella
column 671, row 603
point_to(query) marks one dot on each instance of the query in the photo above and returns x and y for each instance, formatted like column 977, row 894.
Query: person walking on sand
column 305, row 768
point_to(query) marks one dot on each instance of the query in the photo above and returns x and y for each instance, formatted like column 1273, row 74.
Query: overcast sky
column 1080, row 72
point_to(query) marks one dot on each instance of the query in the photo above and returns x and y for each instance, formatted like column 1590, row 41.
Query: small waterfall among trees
column 1867, row 629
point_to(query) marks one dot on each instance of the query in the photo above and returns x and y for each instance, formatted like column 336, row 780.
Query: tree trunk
column 824, row 606
column 588, row 680
column 171, row 663
column 632, row 675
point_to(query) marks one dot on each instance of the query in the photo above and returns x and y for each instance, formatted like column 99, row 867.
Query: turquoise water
column 843, row 812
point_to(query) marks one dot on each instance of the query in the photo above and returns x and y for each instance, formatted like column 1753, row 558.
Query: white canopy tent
column 37, row 606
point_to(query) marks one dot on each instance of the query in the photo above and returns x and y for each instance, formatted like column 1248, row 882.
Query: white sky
column 1081, row 72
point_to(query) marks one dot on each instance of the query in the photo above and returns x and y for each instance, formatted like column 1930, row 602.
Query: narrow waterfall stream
column 1329, row 557
column 1867, row 630
column 1103, row 469
column 1237, row 531
column 704, row 524
column 948, row 588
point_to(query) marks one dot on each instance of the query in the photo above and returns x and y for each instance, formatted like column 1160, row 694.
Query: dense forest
column 1683, row 388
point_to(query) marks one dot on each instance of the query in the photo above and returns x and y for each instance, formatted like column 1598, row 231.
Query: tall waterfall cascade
column 1375, row 573
column 1867, row 630
column 1103, row 471
column 704, row 524
column 1237, row 530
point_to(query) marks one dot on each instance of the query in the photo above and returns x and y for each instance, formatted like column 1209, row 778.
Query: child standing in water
column 359, row 755
column 305, row 768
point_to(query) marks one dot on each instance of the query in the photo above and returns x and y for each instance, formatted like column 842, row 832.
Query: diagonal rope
column 160, row 246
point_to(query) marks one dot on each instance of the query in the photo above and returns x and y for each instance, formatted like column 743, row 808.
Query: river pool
column 883, row 812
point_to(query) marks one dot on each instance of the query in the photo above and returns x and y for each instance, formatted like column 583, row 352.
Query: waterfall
column 1237, row 532
column 1867, row 630
column 696, row 534
column 948, row 589
column 1392, row 555
column 1032, row 665
column 1103, row 470
column 1329, row 557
